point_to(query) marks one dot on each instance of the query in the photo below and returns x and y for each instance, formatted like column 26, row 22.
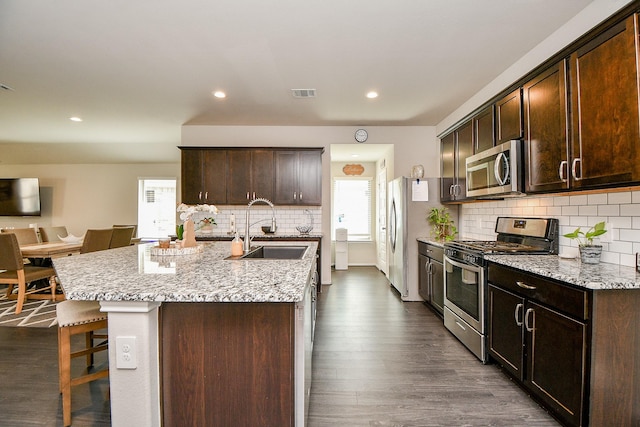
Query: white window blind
column 352, row 207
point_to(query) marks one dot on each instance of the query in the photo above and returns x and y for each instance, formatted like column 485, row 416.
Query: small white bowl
column 71, row 238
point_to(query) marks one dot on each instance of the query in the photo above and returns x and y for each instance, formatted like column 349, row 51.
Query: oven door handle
column 463, row 266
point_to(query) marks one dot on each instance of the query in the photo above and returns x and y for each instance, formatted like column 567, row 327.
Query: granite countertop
column 133, row 274
column 216, row 236
column 590, row 276
column 431, row 241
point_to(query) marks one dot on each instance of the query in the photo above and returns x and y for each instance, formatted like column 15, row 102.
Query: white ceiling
column 136, row 71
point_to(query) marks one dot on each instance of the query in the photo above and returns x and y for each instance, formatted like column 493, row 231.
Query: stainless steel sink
column 275, row 252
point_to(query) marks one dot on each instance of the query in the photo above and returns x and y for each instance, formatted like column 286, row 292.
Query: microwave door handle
column 496, row 169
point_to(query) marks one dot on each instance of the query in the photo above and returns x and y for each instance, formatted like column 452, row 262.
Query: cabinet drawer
column 431, row 251
column 573, row 302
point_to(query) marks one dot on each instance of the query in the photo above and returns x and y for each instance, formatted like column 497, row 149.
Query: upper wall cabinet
column 298, row 177
column 483, row 130
column 546, row 132
column 250, row 175
column 605, row 145
column 454, row 150
column 203, row 176
column 509, row 117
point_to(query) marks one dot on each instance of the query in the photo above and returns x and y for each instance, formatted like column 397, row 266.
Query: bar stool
column 78, row 317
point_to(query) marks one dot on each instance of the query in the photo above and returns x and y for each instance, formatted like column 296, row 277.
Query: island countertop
column 133, row 274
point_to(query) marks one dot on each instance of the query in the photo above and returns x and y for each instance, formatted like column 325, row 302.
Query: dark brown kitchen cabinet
column 605, row 145
column 546, row 133
column 454, row 150
column 483, row 130
column 298, row 177
column 431, row 275
column 250, row 175
column 541, row 347
column 508, row 112
column 203, row 176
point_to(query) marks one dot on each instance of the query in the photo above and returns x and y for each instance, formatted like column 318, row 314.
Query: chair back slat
column 96, row 240
column 135, row 228
column 25, row 236
column 10, row 256
column 50, row 234
column 121, row 237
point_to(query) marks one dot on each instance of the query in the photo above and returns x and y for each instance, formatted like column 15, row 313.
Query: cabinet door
column 556, row 353
column 286, row 182
column 546, row 137
column 464, row 146
column 191, row 176
column 506, row 311
column 447, row 167
column 423, row 278
column 604, row 87
column 310, row 178
column 239, row 177
column 509, row 117
column 214, row 176
column 262, row 174
column 437, row 286
column 483, row 135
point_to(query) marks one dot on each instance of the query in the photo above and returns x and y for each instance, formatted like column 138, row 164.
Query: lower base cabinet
column 575, row 350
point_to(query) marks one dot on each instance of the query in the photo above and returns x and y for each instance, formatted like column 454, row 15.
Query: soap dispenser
column 236, row 245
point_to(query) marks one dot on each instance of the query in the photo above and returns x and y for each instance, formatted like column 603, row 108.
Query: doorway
column 156, row 208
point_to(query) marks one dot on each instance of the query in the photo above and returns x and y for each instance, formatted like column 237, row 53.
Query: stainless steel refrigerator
column 409, row 203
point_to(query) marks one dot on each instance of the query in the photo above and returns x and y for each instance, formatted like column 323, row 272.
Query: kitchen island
column 216, row 341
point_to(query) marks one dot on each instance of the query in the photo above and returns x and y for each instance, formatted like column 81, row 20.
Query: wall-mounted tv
column 19, row 197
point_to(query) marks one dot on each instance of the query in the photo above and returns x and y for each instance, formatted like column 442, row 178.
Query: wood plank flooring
column 378, row 362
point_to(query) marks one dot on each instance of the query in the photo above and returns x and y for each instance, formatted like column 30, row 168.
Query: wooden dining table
column 50, row 249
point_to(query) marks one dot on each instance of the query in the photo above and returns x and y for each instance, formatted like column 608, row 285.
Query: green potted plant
column 589, row 253
column 206, row 224
column 442, row 227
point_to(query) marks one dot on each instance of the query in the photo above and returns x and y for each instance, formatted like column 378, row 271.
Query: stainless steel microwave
column 496, row 172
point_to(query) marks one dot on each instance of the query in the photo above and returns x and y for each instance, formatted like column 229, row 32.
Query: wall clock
column 361, row 135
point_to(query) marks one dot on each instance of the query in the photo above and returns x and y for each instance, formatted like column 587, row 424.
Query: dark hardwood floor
column 377, row 362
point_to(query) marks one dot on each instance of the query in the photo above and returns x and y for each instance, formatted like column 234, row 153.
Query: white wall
column 86, row 195
column 413, row 144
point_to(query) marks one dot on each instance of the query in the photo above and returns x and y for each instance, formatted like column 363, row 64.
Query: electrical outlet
column 126, row 353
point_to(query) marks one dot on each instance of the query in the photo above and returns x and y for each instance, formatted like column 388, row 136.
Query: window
column 352, row 207
column 156, row 208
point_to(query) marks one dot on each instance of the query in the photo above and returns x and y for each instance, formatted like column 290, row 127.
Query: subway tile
column 630, row 210
column 609, row 210
column 628, row 260
column 621, row 222
column 621, row 247
column 588, row 210
column 578, row 200
column 561, row 201
column 597, row 199
column 570, row 210
column 619, row 198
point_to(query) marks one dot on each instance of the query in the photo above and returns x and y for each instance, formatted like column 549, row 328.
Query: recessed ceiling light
column 219, row 94
column 372, row 94
column 355, row 155
column 75, row 119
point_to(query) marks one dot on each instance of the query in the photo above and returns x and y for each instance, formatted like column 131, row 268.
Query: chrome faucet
column 247, row 239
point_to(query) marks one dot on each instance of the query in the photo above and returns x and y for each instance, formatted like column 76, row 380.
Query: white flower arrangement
column 187, row 211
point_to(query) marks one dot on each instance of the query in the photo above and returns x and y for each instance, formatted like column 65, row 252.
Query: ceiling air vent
column 303, row 93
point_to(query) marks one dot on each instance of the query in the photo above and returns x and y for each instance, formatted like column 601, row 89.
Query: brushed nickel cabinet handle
column 561, row 171
column 301, row 195
column 519, row 308
column 526, row 320
column 525, row 286
column 574, row 168
column 200, row 195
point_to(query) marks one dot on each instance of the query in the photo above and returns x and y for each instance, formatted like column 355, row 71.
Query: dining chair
column 121, row 236
column 96, row 240
column 135, row 227
column 79, row 317
column 53, row 234
column 25, row 236
column 18, row 274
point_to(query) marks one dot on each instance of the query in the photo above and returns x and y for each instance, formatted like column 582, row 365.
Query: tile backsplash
column 620, row 210
column 287, row 218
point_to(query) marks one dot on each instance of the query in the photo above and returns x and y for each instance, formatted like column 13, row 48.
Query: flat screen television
column 19, row 197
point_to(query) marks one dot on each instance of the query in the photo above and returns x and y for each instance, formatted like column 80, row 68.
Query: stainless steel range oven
column 465, row 307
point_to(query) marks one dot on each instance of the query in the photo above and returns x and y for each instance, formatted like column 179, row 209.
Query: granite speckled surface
column 431, row 241
column 215, row 236
column 590, row 276
column 133, row 274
